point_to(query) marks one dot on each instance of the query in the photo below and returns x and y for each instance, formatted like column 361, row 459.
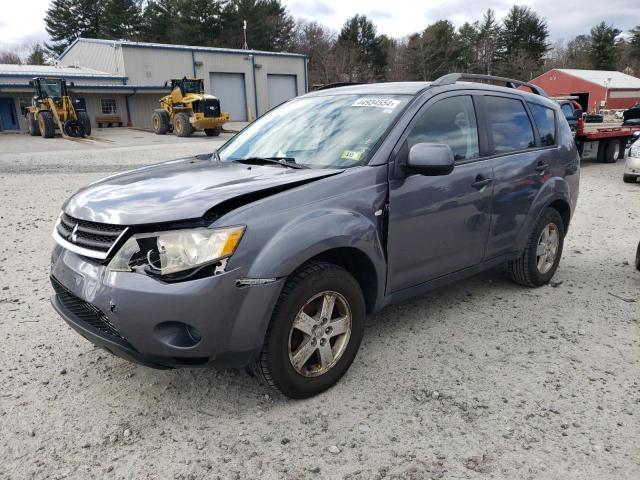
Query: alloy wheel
column 320, row 334
column 547, row 250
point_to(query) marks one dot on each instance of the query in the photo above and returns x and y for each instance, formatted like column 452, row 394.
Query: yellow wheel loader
column 188, row 108
column 52, row 108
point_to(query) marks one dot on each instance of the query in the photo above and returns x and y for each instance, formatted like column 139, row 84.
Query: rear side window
column 509, row 124
column 450, row 121
column 567, row 110
column 545, row 119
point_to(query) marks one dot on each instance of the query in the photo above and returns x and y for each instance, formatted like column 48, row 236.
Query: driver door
column 439, row 224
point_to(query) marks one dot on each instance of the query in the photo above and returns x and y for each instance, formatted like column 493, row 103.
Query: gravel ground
column 481, row 379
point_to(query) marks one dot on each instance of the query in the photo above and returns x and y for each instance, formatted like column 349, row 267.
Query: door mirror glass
column 430, row 159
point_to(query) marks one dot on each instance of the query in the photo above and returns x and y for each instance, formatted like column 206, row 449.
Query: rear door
column 8, row 116
column 521, row 165
column 439, row 224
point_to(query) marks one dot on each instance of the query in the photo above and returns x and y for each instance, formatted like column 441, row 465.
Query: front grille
column 86, row 312
column 211, row 107
column 98, row 237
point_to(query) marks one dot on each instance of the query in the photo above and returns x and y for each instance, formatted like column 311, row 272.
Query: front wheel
column 315, row 331
column 34, row 129
column 541, row 256
column 638, row 257
column 83, row 118
column 629, row 178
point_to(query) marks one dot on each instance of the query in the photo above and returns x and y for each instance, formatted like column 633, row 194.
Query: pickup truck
column 604, row 142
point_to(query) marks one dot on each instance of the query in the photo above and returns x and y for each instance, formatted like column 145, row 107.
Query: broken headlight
column 175, row 251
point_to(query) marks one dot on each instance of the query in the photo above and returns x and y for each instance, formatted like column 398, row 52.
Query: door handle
column 481, row 182
column 542, row 167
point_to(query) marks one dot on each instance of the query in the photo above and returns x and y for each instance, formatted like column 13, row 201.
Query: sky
column 22, row 22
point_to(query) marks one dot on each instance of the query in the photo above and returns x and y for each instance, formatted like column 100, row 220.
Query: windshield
column 334, row 131
column 191, row 86
column 51, row 88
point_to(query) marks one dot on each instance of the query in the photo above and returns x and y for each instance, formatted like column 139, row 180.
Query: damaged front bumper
column 207, row 321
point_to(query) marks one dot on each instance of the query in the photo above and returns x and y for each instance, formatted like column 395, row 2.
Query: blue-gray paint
column 437, row 229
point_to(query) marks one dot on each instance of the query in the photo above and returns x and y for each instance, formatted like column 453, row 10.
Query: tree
column 10, row 58
column 489, row 35
column 468, row 44
column 603, row 53
column 434, row 52
column 269, row 26
column 523, row 43
column 316, row 41
column 578, row 52
column 66, row 20
column 37, row 55
column 122, row 19
column 362, row 52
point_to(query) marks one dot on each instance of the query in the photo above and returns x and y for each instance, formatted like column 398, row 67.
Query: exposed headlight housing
column 176, row 251
column 634, row 151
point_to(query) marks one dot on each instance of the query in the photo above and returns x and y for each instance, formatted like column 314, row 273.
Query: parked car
column 632, row 162
column 270, row 252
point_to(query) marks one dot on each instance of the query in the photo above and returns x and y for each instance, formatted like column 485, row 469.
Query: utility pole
column 244, row 28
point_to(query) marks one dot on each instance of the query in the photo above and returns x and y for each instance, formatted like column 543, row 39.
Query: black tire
column 32, row 123
column 273, row 364
column 181, row 125
column 83, row 118
column 213, row 132
column 629, row 178
column 638, row 257
column 73, row 128
column 612, row 151
column 160, row 122
column 46, row 125
column 524, row 270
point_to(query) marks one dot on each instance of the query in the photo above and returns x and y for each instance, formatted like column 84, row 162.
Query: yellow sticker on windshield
column 351, row 155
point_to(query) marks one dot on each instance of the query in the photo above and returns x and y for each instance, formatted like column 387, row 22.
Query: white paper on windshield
column 376, row 102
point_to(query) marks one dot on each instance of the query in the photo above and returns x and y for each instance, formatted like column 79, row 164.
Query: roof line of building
column 162, row 46
column 134, row 88
column 84, row 76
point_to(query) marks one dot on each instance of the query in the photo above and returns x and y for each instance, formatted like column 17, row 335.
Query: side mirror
column 636, row 134
column 430, row 159
column 577, row 114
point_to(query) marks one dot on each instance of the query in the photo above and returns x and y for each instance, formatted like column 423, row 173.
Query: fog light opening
column 193, row 333
column 178, row 334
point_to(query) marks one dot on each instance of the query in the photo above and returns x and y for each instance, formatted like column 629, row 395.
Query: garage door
column 229, row 88
column 281, row 89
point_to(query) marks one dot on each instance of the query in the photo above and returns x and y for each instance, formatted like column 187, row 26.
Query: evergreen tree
column 61, row 24
column 269, row 26
column 603, row 52
column 434, row 52
column 358, row 41
column 468, row 43
column 122, row 19
column 524, row 43
column 37, row 55
column 489, row 36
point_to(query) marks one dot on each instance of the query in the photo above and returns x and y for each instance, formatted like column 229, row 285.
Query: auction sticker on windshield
column 376, row 102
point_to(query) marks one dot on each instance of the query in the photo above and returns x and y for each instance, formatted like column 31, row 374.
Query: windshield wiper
column 284, row 161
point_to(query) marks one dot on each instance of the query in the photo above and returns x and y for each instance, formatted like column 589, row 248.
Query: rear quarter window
column 509, row 124
column 545, row 119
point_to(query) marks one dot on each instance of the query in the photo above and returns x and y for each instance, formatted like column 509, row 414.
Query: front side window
column 108, row 106
column 51, row 88
column 451, row 121
column 509, row 125
column 328, row 131
column 545, row 120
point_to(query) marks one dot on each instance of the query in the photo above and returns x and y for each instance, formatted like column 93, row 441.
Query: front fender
column 556, row 188
column 313, row 233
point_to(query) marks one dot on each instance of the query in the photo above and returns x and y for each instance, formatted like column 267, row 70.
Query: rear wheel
column 160, row 122
column 182, row 126
column 46, row 125
column 34, row 129
column 541, row 256
column 83, row 118
column 315, row 331
column 612, row 151
column 213, row 132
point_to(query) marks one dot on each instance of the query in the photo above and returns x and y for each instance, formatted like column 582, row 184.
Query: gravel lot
column 481, row 379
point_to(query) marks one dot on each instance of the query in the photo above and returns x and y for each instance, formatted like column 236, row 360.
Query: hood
column 180, row 190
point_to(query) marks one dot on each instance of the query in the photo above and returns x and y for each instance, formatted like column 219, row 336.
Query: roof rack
column 452, row 78
column 336, row 85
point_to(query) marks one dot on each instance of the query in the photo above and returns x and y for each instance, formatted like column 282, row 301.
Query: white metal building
column 248, row 82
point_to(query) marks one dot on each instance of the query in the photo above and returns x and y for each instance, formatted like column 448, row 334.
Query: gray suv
column 270, row 252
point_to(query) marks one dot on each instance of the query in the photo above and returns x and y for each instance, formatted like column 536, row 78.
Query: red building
column 596, row 89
